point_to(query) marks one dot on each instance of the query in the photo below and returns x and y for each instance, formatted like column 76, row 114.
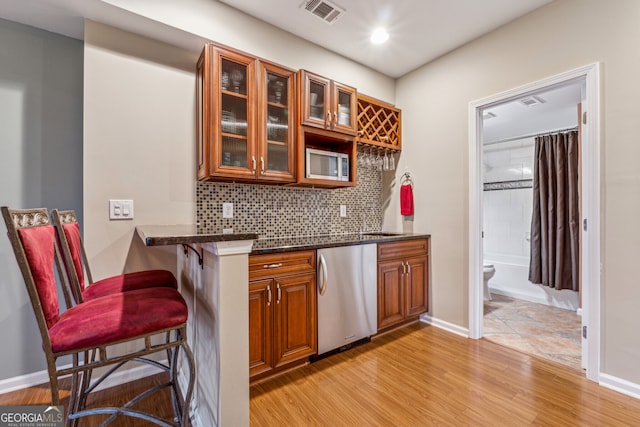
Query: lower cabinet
column 282, row 310
column 403, row 281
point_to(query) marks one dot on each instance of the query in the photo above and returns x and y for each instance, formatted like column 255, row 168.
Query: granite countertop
column 285, row 244
column 162, row 235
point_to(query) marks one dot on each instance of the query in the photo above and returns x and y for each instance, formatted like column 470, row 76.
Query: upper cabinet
column 326, row 132
column 327, row 104
column 245, row 114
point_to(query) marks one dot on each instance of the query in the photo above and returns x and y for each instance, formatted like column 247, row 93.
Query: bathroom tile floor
column 538, row 329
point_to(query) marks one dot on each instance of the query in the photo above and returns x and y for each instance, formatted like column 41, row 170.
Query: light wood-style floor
column 424, row 376
column 415, row 376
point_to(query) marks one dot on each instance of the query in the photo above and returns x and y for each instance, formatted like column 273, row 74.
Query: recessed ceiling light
column 379, row 36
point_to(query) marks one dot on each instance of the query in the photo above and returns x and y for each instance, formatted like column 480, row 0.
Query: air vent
column 323, row 9
column 530, row 101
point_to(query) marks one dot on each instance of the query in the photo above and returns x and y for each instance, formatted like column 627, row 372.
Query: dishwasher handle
column 324, row 275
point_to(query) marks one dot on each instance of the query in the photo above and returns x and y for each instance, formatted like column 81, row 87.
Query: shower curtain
column 556, row 218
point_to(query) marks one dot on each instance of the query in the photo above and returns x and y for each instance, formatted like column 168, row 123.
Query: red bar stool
column 148, row 320
column 77, row 267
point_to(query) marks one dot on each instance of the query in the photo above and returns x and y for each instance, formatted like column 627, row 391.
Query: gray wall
column 40, row 162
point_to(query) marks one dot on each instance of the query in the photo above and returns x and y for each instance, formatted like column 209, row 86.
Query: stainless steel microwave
column 327, row 165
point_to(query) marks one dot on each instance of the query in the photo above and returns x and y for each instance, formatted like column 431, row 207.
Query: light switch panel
column 227, row 210
column 343, row 211
column 120, row 209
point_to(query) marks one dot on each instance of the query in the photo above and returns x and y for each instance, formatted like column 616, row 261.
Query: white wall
column 40, row 163
column 139, row 104
column 562, row 36
column 218, row 22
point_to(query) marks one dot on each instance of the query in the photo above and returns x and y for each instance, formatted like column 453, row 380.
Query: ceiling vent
column 323, row 9
column 530, row 101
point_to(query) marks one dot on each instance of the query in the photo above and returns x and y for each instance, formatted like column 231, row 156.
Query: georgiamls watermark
column 31, row 416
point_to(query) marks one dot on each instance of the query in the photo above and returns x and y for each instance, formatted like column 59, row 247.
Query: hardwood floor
column 416, row 376
column 423, row 376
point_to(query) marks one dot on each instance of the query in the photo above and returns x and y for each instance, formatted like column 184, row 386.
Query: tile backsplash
column 283, row 211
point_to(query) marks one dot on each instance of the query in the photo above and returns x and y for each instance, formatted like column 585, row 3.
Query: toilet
column 488, row 271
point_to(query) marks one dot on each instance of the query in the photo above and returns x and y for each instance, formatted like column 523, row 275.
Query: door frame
column 590, row 192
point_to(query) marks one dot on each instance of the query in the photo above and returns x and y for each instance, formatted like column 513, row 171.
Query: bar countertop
column 162, row 235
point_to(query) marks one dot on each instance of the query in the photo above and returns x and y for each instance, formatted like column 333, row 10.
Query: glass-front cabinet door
column 327, row 104
column 234, row 125
column 276, row 136
column 345, row 108
column 316, row 100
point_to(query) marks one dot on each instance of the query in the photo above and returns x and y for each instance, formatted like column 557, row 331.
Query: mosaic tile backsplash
column 281, row 211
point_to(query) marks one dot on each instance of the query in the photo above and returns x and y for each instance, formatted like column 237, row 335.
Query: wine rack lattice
column 378, row 123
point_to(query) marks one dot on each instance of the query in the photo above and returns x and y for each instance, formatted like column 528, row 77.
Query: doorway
column 590, row 234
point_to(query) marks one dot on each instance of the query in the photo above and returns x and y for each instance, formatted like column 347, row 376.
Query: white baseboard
column 42, row 377
column 458, row 330
column 620, row 385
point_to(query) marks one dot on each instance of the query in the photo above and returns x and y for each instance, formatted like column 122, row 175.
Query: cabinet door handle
column 269, row 295
column 253, row 161
column 279, row 293
column 262, row 165
column 273, row 265
column 328, row 119
column 335, row 118
column 408, row 267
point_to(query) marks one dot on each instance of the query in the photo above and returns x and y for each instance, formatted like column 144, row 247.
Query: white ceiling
column 420, row 30
column 513, row 119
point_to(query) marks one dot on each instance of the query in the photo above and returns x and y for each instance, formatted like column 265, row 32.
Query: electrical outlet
column 227, row 210
column 120, row 209
column 343, row 211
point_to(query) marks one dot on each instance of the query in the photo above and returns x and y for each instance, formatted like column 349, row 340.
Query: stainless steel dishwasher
column 347, row 296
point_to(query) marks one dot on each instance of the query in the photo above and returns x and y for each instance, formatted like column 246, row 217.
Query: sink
column 381, row 233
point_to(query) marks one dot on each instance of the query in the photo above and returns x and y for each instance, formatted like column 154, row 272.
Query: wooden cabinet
column 327, row 104
column 326, row 121
column 403, row 281
column 282, row 310
column 379, row 123
column 245, row 118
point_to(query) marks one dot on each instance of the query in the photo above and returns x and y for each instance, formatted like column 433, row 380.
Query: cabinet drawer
column 269, row 265
column 402, row 249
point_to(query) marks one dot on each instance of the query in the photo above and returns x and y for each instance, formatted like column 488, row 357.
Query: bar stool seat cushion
column 118, row 317
column 130, row 282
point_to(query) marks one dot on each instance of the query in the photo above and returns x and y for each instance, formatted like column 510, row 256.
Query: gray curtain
column 555, row 223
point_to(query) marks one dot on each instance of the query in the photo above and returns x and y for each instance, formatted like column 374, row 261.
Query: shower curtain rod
column 531, row 135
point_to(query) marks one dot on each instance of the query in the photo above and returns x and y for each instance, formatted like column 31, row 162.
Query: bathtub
column 511, row 279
